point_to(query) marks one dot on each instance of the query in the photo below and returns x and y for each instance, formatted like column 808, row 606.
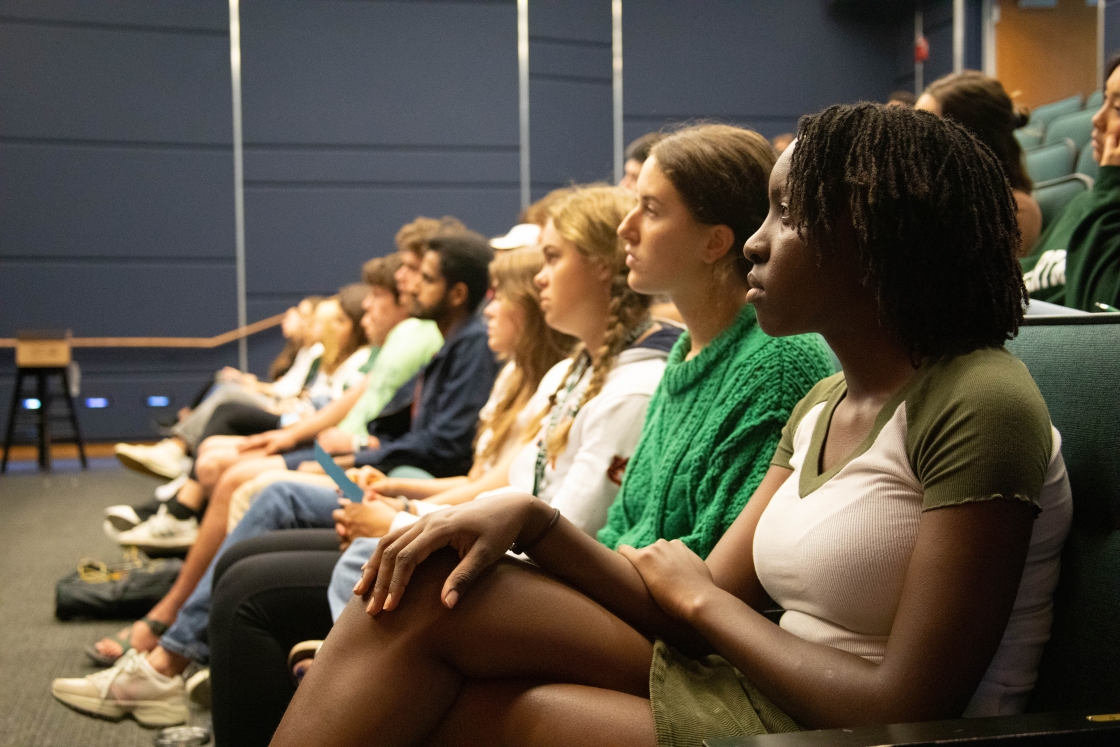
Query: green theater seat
column 1078, row 127
column 1054, row 195
column 1043, row 115
column 1051, row 161
column 1085, row 163
column 1029, row 138
column 1075, row 360
column 1096, row 98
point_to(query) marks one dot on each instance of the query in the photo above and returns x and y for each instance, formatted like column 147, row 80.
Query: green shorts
column 697, row 700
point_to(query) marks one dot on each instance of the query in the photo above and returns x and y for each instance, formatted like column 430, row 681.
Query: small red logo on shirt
column 617, row 469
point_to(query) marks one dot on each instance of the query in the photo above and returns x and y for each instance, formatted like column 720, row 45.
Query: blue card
column 349, row 488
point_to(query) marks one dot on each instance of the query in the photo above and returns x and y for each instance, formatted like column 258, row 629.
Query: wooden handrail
column 165, row 342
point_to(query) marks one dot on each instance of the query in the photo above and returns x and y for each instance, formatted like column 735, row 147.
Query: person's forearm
column 468, row 490
column 328, row 417
column 602, row 574
column 416, row 489
column 819, row 686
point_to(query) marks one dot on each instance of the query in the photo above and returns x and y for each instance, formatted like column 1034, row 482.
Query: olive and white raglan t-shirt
column 833, row 548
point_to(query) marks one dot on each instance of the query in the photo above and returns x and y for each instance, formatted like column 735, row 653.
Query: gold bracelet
column 518, row 549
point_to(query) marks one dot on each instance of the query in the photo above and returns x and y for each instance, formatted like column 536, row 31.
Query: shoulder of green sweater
column 802, row 360
column 1108, row 179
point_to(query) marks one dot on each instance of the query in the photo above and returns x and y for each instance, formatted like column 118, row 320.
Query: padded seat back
column 1051, row 161
column 1096, row 98
column 1085, row 163
column 1054, row 195
column 1028, row 138
column 1078, row 127
column 1043, row 115
column 1075, row 360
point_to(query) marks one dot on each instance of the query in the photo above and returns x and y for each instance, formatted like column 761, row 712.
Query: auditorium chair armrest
column 1034, row 729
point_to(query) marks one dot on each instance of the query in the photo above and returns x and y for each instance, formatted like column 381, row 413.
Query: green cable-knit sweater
column 711, row 430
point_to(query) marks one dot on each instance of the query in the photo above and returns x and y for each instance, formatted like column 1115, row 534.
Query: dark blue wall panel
column 198, row 16
column 308, row 238
column 572, row 142
column 570, row 97
column 938, row 20
column 116, row 175
column 108, row 84
column 179, row 298
column 346, row 72
column 1111, row 28
column 360, row 116
column 63, row 200
column 116, row 187
column 762, row 64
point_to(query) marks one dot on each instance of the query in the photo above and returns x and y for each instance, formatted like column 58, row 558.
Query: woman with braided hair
column 599, row 397
column 909, row 526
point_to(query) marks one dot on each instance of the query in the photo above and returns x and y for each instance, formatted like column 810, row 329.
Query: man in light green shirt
column 408, row 347
column 402, row 344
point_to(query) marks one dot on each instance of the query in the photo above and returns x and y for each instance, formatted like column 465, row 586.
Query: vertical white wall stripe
column 919, row 67
column 958, row 35
column 238, row 176
column 1100, row 42
column 523, row 96
column 989, row 18
column 616, row 79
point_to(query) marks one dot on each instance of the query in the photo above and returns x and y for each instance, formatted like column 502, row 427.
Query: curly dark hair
column 933, row 216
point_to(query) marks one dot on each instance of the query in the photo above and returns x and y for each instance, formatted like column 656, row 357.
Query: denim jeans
column 282, row 505
column 349, row 567
column 347, row 571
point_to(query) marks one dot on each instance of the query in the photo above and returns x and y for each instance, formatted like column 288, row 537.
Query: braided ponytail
column 628, row 309
column 589, row 217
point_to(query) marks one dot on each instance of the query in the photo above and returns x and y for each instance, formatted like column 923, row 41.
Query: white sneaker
column 122, row 517
column 165, row 459
column 162, row 532
column 169, row 490
column 129, row 686
column 198, row 688
column 110, row 530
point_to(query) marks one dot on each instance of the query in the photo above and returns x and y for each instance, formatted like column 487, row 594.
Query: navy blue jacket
column 456, row 384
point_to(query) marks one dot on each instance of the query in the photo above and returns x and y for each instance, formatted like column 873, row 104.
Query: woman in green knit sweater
column 714, row 422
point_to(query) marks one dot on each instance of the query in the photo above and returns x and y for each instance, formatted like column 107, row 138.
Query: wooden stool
column 41, row 355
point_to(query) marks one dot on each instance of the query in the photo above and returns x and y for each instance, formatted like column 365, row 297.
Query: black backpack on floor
column 124, row 591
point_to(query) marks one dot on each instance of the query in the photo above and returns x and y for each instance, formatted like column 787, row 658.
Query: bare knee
column 207, row 468
column 420, row 605
column 235, row 476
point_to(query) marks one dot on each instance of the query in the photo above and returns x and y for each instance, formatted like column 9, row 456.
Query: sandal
column 157, row 627
column 302, row 653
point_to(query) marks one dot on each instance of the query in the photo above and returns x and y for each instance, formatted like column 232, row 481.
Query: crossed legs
column 521, row 660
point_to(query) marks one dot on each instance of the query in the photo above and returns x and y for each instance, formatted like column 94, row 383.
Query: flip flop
column 304, row 651
column 104, row 660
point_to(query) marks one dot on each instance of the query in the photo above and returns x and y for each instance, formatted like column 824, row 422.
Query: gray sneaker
column 165, row 459
column 131, row 686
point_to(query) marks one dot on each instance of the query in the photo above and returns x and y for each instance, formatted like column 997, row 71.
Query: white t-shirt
column 333, row 386
column 833, row 548
column 586, row 476
column 291, row 383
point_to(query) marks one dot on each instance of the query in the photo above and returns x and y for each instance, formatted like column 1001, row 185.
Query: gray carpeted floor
column 48, row 522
